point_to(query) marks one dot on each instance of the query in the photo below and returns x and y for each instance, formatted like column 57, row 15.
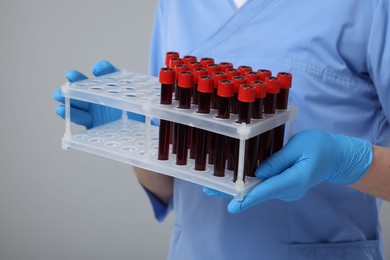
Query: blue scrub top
column 339, row 55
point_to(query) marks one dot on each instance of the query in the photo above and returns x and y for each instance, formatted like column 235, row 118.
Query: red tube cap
column 285, row 79
column 212, row 67
column 206, row 61
column 194, row 64
column 246, row 93
column 264, row 74
column 186, row 79
column 273, row 85
column 167, row 76
column 175, row 61
column 237, row 81
column 170, row 55
column 260, row 88
column 232, row 72
column 243, row 69
column 197, row 73
column 217, row 76
column 188, row 58
column 225, row 88
column 181, row 67
column 251, row 76
column 206, row 84
column 225, row 66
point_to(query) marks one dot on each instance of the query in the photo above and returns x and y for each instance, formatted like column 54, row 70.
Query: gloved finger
column 278, row 162
column 283, row 186
column 74, row 75
column 77, row 116
column 216, row 194
column 57, row 95
column 103, row 67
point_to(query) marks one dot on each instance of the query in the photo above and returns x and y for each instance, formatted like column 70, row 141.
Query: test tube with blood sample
column 225, row 93
column 246, row 97
column 170, row 55
column 167, row 79
column 230, row 73
column 272, row 89
column 188, row 58
column 244, row 69
column 281, row 103
column 205, row 89
column 185, row 83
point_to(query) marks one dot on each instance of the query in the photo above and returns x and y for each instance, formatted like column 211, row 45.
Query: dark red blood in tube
column 220, row 155
column 251, row 155
column 167, row 79
column 266, row 139
column 261, row 92
column 205, row 61
column 188, row 58
column 244, row 69
column 179, row 68
column 246, row 97
column 205, row 91
column 197, row 73
column 217, row 76
column 264, row 73
column 281, row 103
column 237, row 80
column 230, row 73
column 170, row 55
column 225, row 92
column 185, row 83
column 225, row 66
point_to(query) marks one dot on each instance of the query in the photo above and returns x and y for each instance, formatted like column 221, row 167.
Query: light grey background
column 57, row 204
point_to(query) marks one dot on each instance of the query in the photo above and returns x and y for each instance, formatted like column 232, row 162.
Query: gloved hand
column 309, row 158
column 89, row 114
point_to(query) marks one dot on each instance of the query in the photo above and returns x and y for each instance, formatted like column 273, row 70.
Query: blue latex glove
column 89, row 114
column 309, row 158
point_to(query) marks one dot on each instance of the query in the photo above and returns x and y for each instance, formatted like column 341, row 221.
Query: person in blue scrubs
column 321, row 193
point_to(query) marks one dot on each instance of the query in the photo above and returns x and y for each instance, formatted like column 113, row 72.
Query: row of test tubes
column 227, row 90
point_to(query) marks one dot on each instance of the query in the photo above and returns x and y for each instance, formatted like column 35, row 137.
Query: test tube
column 225, row 93
column 261, row 92
column 266, row 139
column 198, row 71
column 217, row 76
column 253, row 143
column 225, row 66
column 281, row 103
column 185, row 83
column 178, row 68
column 205, row 89
column 167, row 79
column 244, row 69
column 205, row 61
column 170, row 55
column 237, row 80
column 246, row 97
column 212, row 67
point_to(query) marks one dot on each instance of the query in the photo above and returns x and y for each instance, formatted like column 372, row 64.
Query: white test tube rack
column 136, row 143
